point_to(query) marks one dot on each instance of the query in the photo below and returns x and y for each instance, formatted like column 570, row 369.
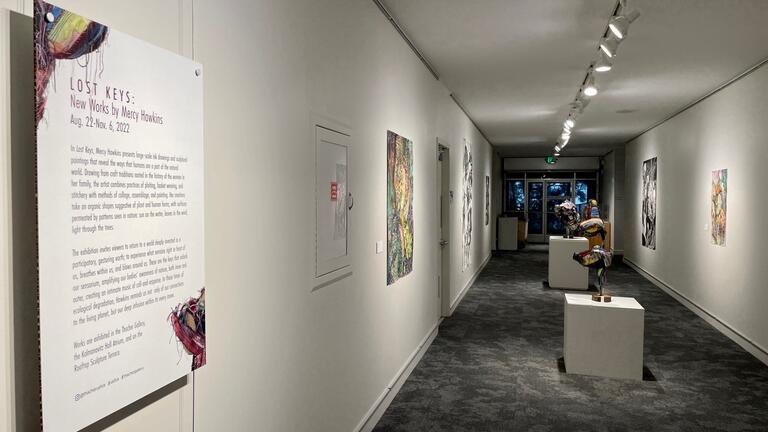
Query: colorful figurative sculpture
column 591, row 210
column 569, row 216
column 592, row 227
column 598, row 259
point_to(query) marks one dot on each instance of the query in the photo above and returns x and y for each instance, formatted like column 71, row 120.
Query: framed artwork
column 719, row 208
column 466, row 212
column 399, row 207
column 650, row 173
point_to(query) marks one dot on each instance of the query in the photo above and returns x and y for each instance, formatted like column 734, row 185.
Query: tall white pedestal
column 564, row 272
column 604, row 339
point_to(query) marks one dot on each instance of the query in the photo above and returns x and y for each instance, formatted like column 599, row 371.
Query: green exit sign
column 550, row 160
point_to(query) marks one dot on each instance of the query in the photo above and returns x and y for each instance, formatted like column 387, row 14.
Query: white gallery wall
column 726, row 130
column 282, row 355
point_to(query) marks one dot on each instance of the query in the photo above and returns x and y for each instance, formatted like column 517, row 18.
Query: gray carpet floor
column 494, row 366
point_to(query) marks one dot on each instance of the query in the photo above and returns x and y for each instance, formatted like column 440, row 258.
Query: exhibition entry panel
column 119, row 131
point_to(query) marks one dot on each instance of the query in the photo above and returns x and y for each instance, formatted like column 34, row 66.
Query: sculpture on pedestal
column 569, row 216
column 598, row 259
column 592, row 227
column 591, row 209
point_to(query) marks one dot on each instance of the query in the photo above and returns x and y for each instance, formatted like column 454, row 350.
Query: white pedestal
column 508, row 233
column 564, row 272
column 604, row 339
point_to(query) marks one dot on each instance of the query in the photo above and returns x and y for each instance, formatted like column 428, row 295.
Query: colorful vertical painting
column 719, row 213
column 487, row 199
column 650, row 173
column 466, row 212
column 399, row 207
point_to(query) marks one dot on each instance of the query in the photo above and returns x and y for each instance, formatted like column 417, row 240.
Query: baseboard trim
column 749, row 345
column 380, row 405
column 460, row 297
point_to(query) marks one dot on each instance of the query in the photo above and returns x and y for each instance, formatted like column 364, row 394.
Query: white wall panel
column 158, row 22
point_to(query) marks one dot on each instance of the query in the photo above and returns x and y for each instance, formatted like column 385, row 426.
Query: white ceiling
column 515, row 65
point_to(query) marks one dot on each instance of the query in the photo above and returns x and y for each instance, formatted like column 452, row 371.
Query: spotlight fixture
column 590, row 88
column 619, row 24
column 603, row 64
column 610, row 45
column 579, row 104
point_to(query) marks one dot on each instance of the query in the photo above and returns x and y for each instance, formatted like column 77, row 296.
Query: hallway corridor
column 494, row 366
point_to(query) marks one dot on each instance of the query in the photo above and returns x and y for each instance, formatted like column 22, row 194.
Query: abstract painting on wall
column 466, row 213
column 650, row 171
column 719, row 206
column 399, row 207
column 487, row 199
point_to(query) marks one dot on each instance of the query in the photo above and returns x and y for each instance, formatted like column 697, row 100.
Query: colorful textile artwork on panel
column 466, row 213
column 60, row 34
column 399, row 207
column 650, row 172
column 719, row 206
column 188, row 321
column 487, row 199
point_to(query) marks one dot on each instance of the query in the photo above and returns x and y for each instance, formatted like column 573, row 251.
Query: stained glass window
column 585, row 190
column 535, row 196
column 535, row 223
column 559, row 189
column 515, row 195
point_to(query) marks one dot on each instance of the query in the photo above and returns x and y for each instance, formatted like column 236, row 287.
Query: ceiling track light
column 579, row 104
column 619, row 24
column 610, row 45
column 590, row 88
column 603, row 64
column 618, row 27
